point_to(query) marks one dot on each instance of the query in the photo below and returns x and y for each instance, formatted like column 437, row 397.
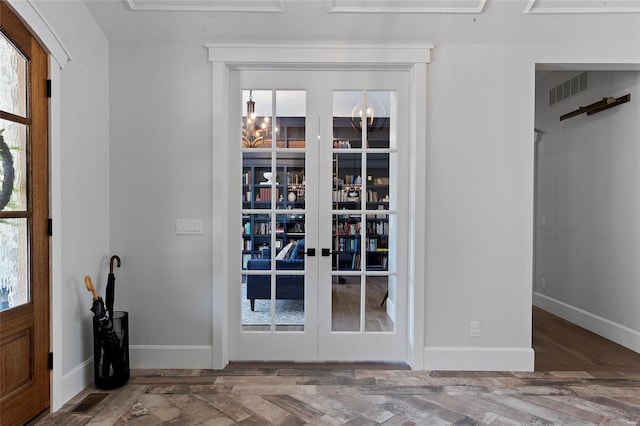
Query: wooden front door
column 24, row 211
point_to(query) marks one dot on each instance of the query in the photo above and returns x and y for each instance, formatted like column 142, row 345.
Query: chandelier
column 361, row 117
column 253, row 134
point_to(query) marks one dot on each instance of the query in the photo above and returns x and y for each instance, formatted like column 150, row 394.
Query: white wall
column 479, row 205
column 79, row 189
column 160, row 172
column 479, row 189
column 588, row 205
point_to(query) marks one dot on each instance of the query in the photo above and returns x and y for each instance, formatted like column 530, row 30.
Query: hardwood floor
column 592, row 382
column 563, row 346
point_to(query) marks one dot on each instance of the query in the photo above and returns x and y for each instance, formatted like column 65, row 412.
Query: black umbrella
column 111, row 280
column 104, row 334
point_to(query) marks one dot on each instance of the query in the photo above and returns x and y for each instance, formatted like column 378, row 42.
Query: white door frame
column 227, row 57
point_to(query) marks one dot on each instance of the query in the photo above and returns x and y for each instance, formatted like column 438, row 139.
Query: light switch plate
column 188, row 226
column 474, row 329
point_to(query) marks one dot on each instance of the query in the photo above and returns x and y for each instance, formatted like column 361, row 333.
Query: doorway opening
column 586, row 201
column 227, row 60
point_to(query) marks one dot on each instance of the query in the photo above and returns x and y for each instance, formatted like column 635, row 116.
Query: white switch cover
column 474, row 329
column 188, row 226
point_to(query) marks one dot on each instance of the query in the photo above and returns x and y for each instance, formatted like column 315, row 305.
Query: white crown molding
column 413, row 6
column 272, row 6
column 586, row 6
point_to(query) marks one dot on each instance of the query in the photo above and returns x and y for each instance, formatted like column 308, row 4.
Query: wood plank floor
column 562, row 346
column 603, row 388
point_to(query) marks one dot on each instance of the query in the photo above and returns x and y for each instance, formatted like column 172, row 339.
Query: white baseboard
column 171, row 356
column 478, row 359
column 615, row 332
column 74, row 382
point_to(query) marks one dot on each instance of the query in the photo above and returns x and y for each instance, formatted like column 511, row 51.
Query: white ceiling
column 366, row 21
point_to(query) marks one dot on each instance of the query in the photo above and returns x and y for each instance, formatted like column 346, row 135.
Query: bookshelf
column 259, row 193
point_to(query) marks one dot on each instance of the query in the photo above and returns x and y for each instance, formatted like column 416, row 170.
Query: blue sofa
column 287, row 286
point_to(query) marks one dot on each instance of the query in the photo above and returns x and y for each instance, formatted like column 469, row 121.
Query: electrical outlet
column 474, row 329
column 543, row 283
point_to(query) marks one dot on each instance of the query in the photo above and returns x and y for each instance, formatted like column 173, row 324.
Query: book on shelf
column 265, row 194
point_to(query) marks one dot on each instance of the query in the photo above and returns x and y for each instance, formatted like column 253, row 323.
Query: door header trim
column 289, row 56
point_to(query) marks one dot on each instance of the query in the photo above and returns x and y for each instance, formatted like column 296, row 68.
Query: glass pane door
column 319, row 170
column 363, row 312
column 363, row 169
column 24, row 213
column 273, row 211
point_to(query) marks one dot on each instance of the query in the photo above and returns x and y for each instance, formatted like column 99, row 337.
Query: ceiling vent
column 569, row 88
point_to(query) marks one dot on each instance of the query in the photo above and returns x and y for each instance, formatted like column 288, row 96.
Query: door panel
column 272, row 296
column 24, row 253
column 368, row 274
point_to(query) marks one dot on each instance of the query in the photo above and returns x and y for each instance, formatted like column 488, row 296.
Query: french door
column 321, row 213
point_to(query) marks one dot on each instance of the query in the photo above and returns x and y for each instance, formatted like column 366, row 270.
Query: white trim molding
column 294, row 56
column 77, row 379
column 414, row 6
column 42, row 30
column 227, row 57
column 478, row 359
column 582, row 6
column 170, row 356
column 608, row 329
column 270, row 6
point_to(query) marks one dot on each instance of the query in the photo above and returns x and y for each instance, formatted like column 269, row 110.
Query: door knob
column 310, row 252
column 326, row 252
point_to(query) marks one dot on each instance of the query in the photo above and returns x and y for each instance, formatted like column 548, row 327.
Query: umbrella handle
column 89, row 284
column 111, row 263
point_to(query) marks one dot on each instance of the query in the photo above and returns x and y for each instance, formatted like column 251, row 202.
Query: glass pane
column 347, row 181
column 291, row 166
column 347, row 129
column 256, row 299
column 258, row 181
column 256, row 240
column 377, row 246
column 290, row 303
column 346, row 242
column 13, row 166
column 290, row 248
column 257, row 118
column 378, row 181
column 13, row 79
column 345, row 303
column 291, row 111
column 378, row 304
column 379, row 112
column 14, row 268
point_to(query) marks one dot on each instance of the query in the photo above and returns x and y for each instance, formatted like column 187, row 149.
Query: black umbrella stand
column 110, row 338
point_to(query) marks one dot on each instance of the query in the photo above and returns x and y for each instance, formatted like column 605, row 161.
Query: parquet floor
column 366, row 394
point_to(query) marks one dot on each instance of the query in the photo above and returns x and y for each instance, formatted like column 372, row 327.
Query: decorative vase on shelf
column 292, row 197
column 268, row 176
